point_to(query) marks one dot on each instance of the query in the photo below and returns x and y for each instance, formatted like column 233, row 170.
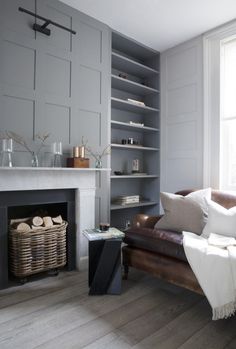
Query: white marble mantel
column 82, row 180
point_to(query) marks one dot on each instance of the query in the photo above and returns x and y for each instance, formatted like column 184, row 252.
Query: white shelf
column 68, row 169
column 132, row 67
column 132, row 147
column 133, row 176
column 131, row 86
column 126, row 126
column 140, row 204
column 122, row 104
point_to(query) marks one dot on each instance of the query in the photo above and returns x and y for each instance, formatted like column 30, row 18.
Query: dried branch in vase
column 98, row 156
column 2, row 136
column 21, row 141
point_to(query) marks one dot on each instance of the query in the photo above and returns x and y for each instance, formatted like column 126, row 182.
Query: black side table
column 105, row 266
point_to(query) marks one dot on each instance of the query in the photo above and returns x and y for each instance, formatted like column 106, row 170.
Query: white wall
column 182, row 116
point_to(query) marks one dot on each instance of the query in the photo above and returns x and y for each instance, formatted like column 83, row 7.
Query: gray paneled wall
column 57, row 84
column 182, row 117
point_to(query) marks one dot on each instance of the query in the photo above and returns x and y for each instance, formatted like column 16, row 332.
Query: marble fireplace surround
column 82, row 180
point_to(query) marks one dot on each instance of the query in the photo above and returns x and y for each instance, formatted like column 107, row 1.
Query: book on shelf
column 137, row 124
column 97, row 234
column 127, row 203
column 128, row 197
column 139, row 174
column 142, row 104
column 126, row 200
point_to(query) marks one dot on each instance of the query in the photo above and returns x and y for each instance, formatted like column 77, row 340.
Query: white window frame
column 224, row 177
column 212, row 96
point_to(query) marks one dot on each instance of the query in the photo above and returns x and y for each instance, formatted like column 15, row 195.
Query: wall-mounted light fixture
column 43, row 28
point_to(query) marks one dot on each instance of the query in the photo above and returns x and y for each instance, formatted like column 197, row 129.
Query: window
column 228, row 115
column 219, row 122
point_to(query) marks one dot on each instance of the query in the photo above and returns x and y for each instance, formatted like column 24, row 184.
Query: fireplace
column 24, row 179
column 20, row 204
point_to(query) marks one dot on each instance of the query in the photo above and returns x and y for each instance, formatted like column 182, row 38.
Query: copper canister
column 82, row 152
column 75, row 152
column 79, row 152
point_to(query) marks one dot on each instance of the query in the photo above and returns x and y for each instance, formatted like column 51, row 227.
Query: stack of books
column 137, row 124
column 97, row 234
column 142, row 104
column 127, row 200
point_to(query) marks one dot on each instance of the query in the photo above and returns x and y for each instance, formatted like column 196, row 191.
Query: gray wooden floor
column 56, row 312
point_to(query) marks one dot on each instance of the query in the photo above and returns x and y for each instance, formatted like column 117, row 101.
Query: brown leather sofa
column 160, row 252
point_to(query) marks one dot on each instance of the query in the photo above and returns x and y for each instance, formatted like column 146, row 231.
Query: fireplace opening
column 43, row 250
column 51, row 210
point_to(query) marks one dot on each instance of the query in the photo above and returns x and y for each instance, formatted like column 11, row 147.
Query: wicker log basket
column 37, row 250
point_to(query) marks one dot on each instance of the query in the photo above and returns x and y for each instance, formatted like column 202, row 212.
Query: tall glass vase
column 6, row 153
column 57, row 154
column 34, row 160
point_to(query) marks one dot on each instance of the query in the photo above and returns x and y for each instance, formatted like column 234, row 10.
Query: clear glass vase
column 98, row 163
column 6, row 154
column 57, row 154
column 6, row 159
column 57, row 160
column 34, row 160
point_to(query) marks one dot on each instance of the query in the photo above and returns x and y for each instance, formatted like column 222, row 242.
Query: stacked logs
column 37, row 244
column 35, row 223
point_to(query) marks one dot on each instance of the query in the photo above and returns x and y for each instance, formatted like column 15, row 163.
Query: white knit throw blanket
column 215, row 270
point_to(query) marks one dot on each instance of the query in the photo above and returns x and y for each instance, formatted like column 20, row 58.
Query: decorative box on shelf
column 78, row 162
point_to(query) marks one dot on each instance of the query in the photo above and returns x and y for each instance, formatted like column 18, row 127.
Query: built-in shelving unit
column 134, row 77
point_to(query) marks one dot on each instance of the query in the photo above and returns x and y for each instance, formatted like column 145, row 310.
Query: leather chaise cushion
column 165, row 242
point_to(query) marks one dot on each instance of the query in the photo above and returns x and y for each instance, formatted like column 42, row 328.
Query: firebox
column 21, row 204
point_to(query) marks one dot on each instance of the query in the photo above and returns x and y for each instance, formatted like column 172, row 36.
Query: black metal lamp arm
column 43, row 28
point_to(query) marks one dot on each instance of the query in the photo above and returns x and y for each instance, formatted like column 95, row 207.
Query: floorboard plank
column 58, row 313
column 62, row 315
column 82, row 335
column 231, row 344
column 215, row 335
column 178, row 330
column 42, row 302
column 38, row 288
column 145, row 325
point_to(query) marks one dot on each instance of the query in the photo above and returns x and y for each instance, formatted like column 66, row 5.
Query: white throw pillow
column 220, row 221
column 184, row 213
